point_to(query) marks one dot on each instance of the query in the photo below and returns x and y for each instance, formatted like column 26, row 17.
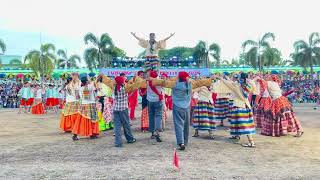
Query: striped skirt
column 203, row 117
column 241, row 121
column 221, row 108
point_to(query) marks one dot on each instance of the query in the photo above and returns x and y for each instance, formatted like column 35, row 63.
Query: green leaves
column 42, row 62
column 306, row 55
column 261, row 51
column 102, row 52
column 67, row 62
column 215, row 50
column 90, row 37
column 267, row 36
column 314, row 38
column 248, row 43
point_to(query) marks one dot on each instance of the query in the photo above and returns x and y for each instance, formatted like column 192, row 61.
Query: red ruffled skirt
column 280, row 120
column 23, row 102
column 52, row 102
column 263, row 107
column 37, row 109
column 26, row 102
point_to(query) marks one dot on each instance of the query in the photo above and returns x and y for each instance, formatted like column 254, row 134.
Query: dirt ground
column 33, row 147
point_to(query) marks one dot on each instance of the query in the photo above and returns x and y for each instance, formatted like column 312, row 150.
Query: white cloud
column 227, row 22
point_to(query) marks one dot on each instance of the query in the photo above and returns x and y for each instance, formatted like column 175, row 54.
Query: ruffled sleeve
column 161, row 44
column 143, row 43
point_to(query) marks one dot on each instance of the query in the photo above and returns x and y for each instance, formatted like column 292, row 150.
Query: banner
column 169, row 72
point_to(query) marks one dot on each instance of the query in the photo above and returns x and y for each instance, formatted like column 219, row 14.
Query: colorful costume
column 280, row 120
column 133, row 102
column 52, row 97
column 104, row 107
column 222, row 107
column 70, row 112
column 152, row 49
column 204, row 114
column 87, row 122
column 144, row 113
column 37, row 106
column 25, row 94
column 264, row 103
column 241, row 116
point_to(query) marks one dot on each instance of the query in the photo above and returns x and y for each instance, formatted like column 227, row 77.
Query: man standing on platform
column 152, row 48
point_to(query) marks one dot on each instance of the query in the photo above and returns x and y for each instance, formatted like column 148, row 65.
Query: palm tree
column 98, row 56
column 306, row 55
column 257, row 50
column 271, row 57
column 202, row 51
column 67, row 62
column 215, row 50
column 286, row 62
column 2, row 46
column 201, row 54
column 42, row 61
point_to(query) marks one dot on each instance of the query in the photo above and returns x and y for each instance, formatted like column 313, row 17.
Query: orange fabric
column 37, row 109
column 85, row 127
column 279, row 104
column 265, row 103
column 67, row 122
column 144, row 119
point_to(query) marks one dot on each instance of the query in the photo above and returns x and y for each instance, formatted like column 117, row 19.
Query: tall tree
column 201, row 53
column 256, row 54
column 215, row 50
column 271, row 57
column 42, row 61
column 67, row 62
column 202, row 50
column 102, row 52
column 2, row 46
column 307, row 54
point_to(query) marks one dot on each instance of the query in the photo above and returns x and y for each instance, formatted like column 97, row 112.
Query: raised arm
column 135, row 36
column 165, row 39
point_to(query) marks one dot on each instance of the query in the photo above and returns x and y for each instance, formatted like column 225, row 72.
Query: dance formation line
column 95, row 105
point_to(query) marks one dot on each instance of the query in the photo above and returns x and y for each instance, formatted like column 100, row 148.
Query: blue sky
column 227, row 22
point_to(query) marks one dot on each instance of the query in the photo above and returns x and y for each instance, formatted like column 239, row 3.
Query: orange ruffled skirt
column 67, row 122
column 37, row 109
column 85, row 127
column 69, row 115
